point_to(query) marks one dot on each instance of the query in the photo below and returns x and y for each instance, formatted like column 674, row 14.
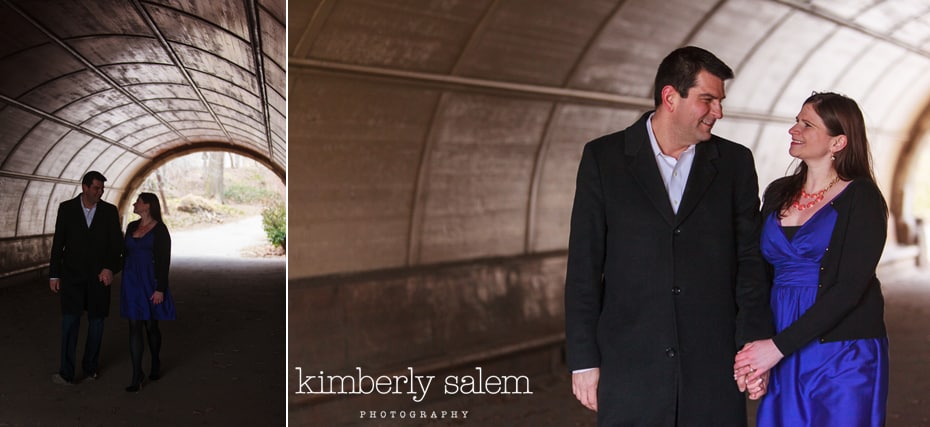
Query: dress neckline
column 149, row 231
column 822, row 208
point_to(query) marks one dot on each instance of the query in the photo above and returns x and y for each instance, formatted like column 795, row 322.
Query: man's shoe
column 58, row 379
column 92, row 377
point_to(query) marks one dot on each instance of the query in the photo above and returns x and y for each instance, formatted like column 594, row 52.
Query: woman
column 823, row 234
column 145, row 298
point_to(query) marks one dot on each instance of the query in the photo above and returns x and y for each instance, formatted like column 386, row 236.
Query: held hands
column 757, row 388
column 105, row 276
column 584, row 386
column 752, row 365
column 157, row 297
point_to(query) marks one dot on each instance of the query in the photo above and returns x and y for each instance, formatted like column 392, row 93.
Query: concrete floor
column 223, row 359
column 907, row 293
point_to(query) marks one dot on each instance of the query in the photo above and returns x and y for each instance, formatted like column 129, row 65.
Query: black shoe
column 154, row 376
column 60, row 380
column 92, row 377
column 136, row 386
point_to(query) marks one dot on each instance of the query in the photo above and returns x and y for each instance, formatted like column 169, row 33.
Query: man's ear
column 670, row 98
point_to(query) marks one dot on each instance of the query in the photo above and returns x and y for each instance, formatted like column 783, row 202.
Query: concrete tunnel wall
column 434, row 149
column 435, row 141
column 120, row 87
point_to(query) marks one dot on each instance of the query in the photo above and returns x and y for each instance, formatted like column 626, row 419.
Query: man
column 86, row 253
column 665, row 279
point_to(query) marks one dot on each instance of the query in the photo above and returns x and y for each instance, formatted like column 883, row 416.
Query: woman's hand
column 158, row 297
column 754, row 362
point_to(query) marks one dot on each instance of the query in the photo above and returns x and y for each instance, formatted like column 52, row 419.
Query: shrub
column 247, row 193
column 274, row 220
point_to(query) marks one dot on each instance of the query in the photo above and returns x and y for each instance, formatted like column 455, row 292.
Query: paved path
column 907, row 294
column 907, row 314
column 223, row 359
column 227, row 240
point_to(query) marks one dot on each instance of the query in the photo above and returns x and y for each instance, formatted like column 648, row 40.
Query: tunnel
column 122, row 87
column 434, row 147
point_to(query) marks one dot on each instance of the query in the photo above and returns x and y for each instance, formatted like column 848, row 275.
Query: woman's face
column 809, row 137
column 140, row 206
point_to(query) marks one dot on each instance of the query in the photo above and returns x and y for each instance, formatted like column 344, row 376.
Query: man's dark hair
column 89, row 178
column 681, row 67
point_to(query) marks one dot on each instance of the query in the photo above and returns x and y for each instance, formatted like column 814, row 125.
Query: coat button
column 677, row 231
column 670, row 352
column 676, row 291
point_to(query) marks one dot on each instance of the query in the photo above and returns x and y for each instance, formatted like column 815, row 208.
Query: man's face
column 695, row 115
column 93, row 192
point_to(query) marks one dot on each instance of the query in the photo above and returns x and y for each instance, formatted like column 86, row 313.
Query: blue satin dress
column 842, row 383
column 139, row 283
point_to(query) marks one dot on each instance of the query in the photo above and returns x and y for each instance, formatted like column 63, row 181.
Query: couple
column 674, row 278
column 87, row 250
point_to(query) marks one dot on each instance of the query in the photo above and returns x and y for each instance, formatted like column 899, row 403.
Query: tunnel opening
column 920, row 186
column 217, row 203
column 25, row 257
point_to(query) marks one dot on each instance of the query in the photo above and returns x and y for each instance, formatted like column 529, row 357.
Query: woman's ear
column 839, row 143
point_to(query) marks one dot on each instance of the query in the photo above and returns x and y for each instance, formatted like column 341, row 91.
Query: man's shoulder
column 617, row 139
column 71, row 202
column 607, row 140
column 728, row 149
column 105, row 205
column 726, row 144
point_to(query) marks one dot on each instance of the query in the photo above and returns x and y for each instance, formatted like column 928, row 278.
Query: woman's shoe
column 136, row 386
column 156, row 369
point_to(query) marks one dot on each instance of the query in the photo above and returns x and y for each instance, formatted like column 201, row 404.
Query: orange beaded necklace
column 813, row 198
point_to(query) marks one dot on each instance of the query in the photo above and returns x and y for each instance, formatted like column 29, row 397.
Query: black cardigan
column 161, row 252
column 849, row 301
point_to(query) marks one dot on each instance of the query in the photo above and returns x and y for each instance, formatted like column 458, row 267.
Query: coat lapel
column 79, row 211
column 642, row 163
column 702, row 175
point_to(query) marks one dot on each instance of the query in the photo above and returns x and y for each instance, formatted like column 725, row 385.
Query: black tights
column 136, row 346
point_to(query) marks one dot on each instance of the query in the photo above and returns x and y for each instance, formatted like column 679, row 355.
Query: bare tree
column 161, row 191
column 214, row 176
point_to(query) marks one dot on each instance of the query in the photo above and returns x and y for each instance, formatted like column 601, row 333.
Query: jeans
column 70, row 326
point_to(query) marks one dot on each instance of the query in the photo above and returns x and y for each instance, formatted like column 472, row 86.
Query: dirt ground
column 222, row 360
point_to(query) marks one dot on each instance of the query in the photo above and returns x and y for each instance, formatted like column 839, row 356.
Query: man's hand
column 757, row 390
column 584, row 386
column 54, row 284
column 105, row 276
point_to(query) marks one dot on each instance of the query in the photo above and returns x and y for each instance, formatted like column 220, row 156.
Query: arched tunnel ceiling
column 117, row 85
column 435, row 130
